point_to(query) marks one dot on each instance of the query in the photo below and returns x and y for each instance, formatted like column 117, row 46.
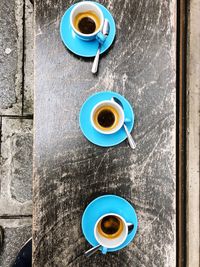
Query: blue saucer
column 108, row 204
column 91, row 134
column 80, row 47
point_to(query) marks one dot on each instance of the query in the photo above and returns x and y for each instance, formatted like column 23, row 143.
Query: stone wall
column 16, row 120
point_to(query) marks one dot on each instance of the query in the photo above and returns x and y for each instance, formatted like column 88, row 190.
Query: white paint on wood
column 193, row 135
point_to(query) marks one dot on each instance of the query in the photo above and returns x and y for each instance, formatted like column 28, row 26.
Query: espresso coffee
column 110, row 226
column 106, row 118
column 87, row 25
column 87, row 22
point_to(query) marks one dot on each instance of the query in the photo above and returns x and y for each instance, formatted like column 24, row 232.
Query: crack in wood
column 23, row 56
column 182, row 11
column 0, row 134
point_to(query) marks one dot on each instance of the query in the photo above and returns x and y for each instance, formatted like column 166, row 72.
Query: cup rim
column 71, row 22
column 123, row 220
column 118, row 127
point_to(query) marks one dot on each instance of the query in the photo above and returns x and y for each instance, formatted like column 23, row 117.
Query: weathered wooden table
column 69, row 171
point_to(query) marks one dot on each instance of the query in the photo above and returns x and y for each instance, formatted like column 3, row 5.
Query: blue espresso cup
column 87, row 10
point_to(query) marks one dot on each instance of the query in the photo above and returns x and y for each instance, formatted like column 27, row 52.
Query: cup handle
column 130, row 227
column 100, row 37
column 104, row 250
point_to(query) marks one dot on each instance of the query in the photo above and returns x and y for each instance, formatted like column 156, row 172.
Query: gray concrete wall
column 16, row 108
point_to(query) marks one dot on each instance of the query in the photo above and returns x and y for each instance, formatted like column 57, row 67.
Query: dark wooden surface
column 69, row 171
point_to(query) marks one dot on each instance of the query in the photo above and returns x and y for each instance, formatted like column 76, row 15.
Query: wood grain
column 69, row 171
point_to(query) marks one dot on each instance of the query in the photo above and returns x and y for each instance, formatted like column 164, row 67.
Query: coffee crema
column 106, row 118
column 87, row 22
column 110, row 226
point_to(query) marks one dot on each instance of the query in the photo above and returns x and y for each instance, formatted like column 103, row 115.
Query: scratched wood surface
column 69, row 171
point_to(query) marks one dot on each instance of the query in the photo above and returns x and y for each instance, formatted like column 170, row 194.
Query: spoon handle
column 96, row 61
column 91, row 251
column 130, row 138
